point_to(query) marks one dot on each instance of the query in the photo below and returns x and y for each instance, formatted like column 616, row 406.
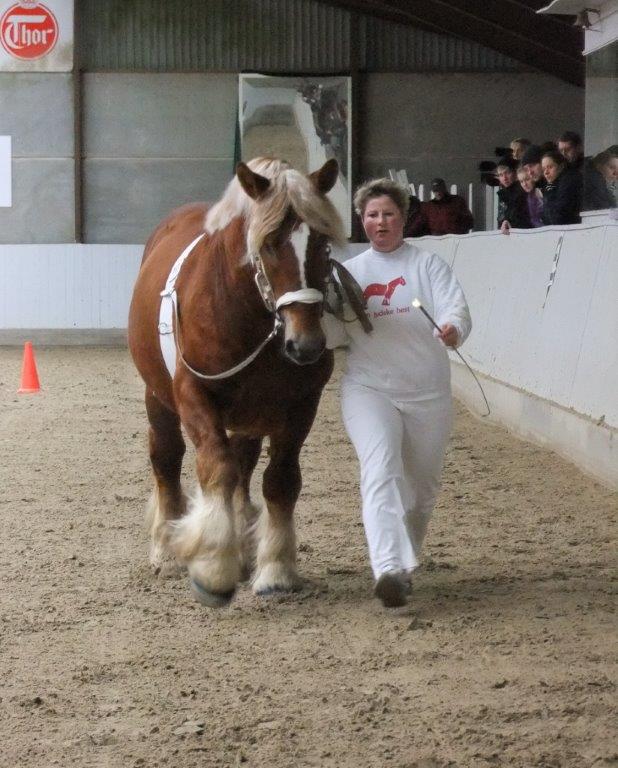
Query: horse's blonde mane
column 288, row 188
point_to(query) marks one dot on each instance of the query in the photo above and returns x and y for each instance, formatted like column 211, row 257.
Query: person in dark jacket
column 415, row 224
column 597, row 177
column 512, row 202
column 563, row 194
column 571, row 146
column 446, row 214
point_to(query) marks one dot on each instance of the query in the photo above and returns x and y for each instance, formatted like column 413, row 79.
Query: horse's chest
column 252, row 408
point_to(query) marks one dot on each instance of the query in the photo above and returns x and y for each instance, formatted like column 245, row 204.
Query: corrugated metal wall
column 263, row 35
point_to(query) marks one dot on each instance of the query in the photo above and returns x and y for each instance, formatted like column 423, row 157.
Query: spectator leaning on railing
column 512, row 202
column 534, row 198
column 562, row 196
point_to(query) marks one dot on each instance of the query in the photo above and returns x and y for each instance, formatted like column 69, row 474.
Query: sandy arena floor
column 506, row 656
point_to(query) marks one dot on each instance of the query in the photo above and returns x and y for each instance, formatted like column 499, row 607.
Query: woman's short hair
column 379, row 187
column 556, row 156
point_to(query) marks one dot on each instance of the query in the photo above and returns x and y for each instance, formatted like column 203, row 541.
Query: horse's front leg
column 276, row 548
column 206, row 538
column 247, row 452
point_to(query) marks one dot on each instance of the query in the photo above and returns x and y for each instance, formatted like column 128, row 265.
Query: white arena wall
column 548, row 361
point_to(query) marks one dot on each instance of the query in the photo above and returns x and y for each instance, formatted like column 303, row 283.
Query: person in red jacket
column 446, row 214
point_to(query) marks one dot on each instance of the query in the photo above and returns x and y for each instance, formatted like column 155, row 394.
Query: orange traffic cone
column 29, row 376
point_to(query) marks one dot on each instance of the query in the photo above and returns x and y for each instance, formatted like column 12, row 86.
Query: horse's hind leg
column 167, row 448
column 247, row 452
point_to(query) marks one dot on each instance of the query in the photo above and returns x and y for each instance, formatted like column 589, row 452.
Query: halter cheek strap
column 303, row 295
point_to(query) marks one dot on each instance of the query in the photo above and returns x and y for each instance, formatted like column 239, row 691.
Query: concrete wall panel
column 160, row 115
column 153, row 142
column 37, row 111
column 43, row 202
column 126, row 199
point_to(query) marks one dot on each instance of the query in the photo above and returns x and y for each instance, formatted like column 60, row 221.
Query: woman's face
column 551, row 169
column 383, row 223
column 526, row 181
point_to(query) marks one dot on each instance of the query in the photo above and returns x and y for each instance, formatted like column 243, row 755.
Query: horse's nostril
column 304, row 353
column 291, row 348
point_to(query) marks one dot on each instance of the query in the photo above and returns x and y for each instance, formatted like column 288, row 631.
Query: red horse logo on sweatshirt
column 379, row 289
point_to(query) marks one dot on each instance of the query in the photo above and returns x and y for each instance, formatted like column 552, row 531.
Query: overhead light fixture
column 582, row 19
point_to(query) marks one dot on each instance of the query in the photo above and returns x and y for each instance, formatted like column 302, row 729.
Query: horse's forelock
column 235, row 201
column 292, row 189
column 314, row 208
column 289, row 189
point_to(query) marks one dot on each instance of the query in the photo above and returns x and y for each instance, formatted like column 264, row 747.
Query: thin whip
column 416, row 303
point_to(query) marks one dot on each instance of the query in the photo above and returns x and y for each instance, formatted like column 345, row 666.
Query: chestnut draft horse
column 225, row 329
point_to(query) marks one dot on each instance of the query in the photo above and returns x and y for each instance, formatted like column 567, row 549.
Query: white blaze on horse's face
column 304, row 339
column 299, row 239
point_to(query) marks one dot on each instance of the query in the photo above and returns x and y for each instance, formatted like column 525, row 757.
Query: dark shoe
column 391, row 588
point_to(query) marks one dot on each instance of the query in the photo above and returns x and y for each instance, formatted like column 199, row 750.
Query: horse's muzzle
column 306, row 351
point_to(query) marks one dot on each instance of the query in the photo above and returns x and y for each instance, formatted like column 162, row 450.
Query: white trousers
column 400, row 447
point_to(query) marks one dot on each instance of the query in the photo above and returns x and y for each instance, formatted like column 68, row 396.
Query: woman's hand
column 449, row 335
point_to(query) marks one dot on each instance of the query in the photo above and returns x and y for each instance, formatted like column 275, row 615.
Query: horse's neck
column 223, row 275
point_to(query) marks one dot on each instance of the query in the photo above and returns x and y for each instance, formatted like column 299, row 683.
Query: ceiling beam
column 514, row 31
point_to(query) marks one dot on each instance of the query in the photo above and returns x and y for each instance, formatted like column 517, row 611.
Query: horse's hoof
column 210, row 599
column 276, row 590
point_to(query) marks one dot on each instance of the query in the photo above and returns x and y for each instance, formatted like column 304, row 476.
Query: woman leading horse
column 225, row 329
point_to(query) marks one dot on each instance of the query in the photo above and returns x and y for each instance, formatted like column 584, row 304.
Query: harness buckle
column 263, row 286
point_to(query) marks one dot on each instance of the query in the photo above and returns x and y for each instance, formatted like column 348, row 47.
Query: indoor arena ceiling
column 548, row 43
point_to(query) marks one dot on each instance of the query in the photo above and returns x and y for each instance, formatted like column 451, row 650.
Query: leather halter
column 168, row 314
column 304, row 295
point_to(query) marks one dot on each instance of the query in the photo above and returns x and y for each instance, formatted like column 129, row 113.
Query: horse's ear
column 324, row 179
column 253, row 184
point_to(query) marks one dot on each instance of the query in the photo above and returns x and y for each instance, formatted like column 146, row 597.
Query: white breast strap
column 168, row 310
column 304, row 296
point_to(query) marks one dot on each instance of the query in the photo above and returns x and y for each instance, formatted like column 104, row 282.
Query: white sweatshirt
column 402, row 356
